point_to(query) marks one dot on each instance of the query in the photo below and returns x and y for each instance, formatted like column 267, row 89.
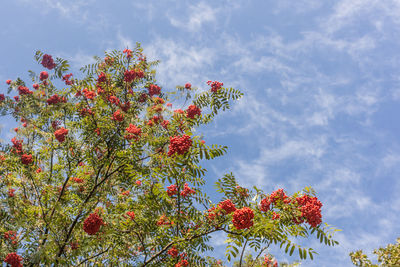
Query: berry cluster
column 172, row 190
column 78, row 180
column 192, row 111
column 154, row 89
column 227, row 206
column 131, row 215
column 56, row 99
column 26, row 159
column 17, row 145
column 164, row 221
column 215, row 86
column 43, row 75
column 13, row 259
column 279, row 195
column 66, row 79
column 11, row 192
column 134, row 131
column 22, row 90
column 102, row 78
column 92, row 223
column 268, row 262
column 173, row 252
column 213, row 213
column 60, row 134
column 118, row 116
column 179, row 144
column 47, row 62
column 265, row 204
column 89, row 94
column 310, row 208
column 131, row 75
column 243, row 218
column 11, row 236
column 128, row 53
column 182, row 263
column 187, row 191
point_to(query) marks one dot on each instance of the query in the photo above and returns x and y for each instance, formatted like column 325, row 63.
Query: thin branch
column 259, row 254
column 241, row 255
column 98, row 254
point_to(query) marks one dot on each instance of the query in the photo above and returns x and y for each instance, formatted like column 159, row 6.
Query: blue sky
column 321, row 82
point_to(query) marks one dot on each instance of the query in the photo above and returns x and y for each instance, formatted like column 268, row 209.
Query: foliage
column 102, row 171
column 387, row 256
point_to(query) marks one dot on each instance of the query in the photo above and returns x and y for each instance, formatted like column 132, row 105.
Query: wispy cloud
column 198, row 14
column 180, row 62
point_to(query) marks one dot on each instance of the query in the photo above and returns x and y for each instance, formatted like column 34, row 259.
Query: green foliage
column 387, row 256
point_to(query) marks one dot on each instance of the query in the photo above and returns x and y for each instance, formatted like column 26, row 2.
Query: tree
column 387, row 256
column 103, row 170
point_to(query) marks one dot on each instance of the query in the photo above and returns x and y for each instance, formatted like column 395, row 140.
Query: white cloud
column 198, row 15
column 180, row 62
column 70, row 9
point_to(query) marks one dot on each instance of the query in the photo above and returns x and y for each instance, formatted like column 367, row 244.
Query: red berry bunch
column 182, row 263
column 154, row 89
column 131, row 75
column 243, row 218
column 179, row 144
column 118, row 116
column 192, row 111
column 56, row 99
column 163, row 221
column 128, row 53
column 47, row 62
column 78, row 180
column 188, row 86
column 26, row 159
column 102, row 78
column 92, row 223
column 13, row 259
column 265, row 204
column 172, row 190
column 268, row 262
column 131, row 215
column 11, row 236
column 134, row 131
column 17, row 144
column 113, row 99
column 89, row 94
column 11, row 192
column 43, row 75
column 227, row 206
column 279, row 195
column 215, row 86
column 60, row 134
column 165, row 124
column 22, row 90
column 187, row 191
column 213, row 213
column 66, row 79
column 275, row 216
column 310, row 208
column 173, row 252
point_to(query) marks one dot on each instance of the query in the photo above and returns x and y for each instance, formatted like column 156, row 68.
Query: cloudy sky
column 321, row 83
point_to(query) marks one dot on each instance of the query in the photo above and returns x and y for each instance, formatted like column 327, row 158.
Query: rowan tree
column 105, row 168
